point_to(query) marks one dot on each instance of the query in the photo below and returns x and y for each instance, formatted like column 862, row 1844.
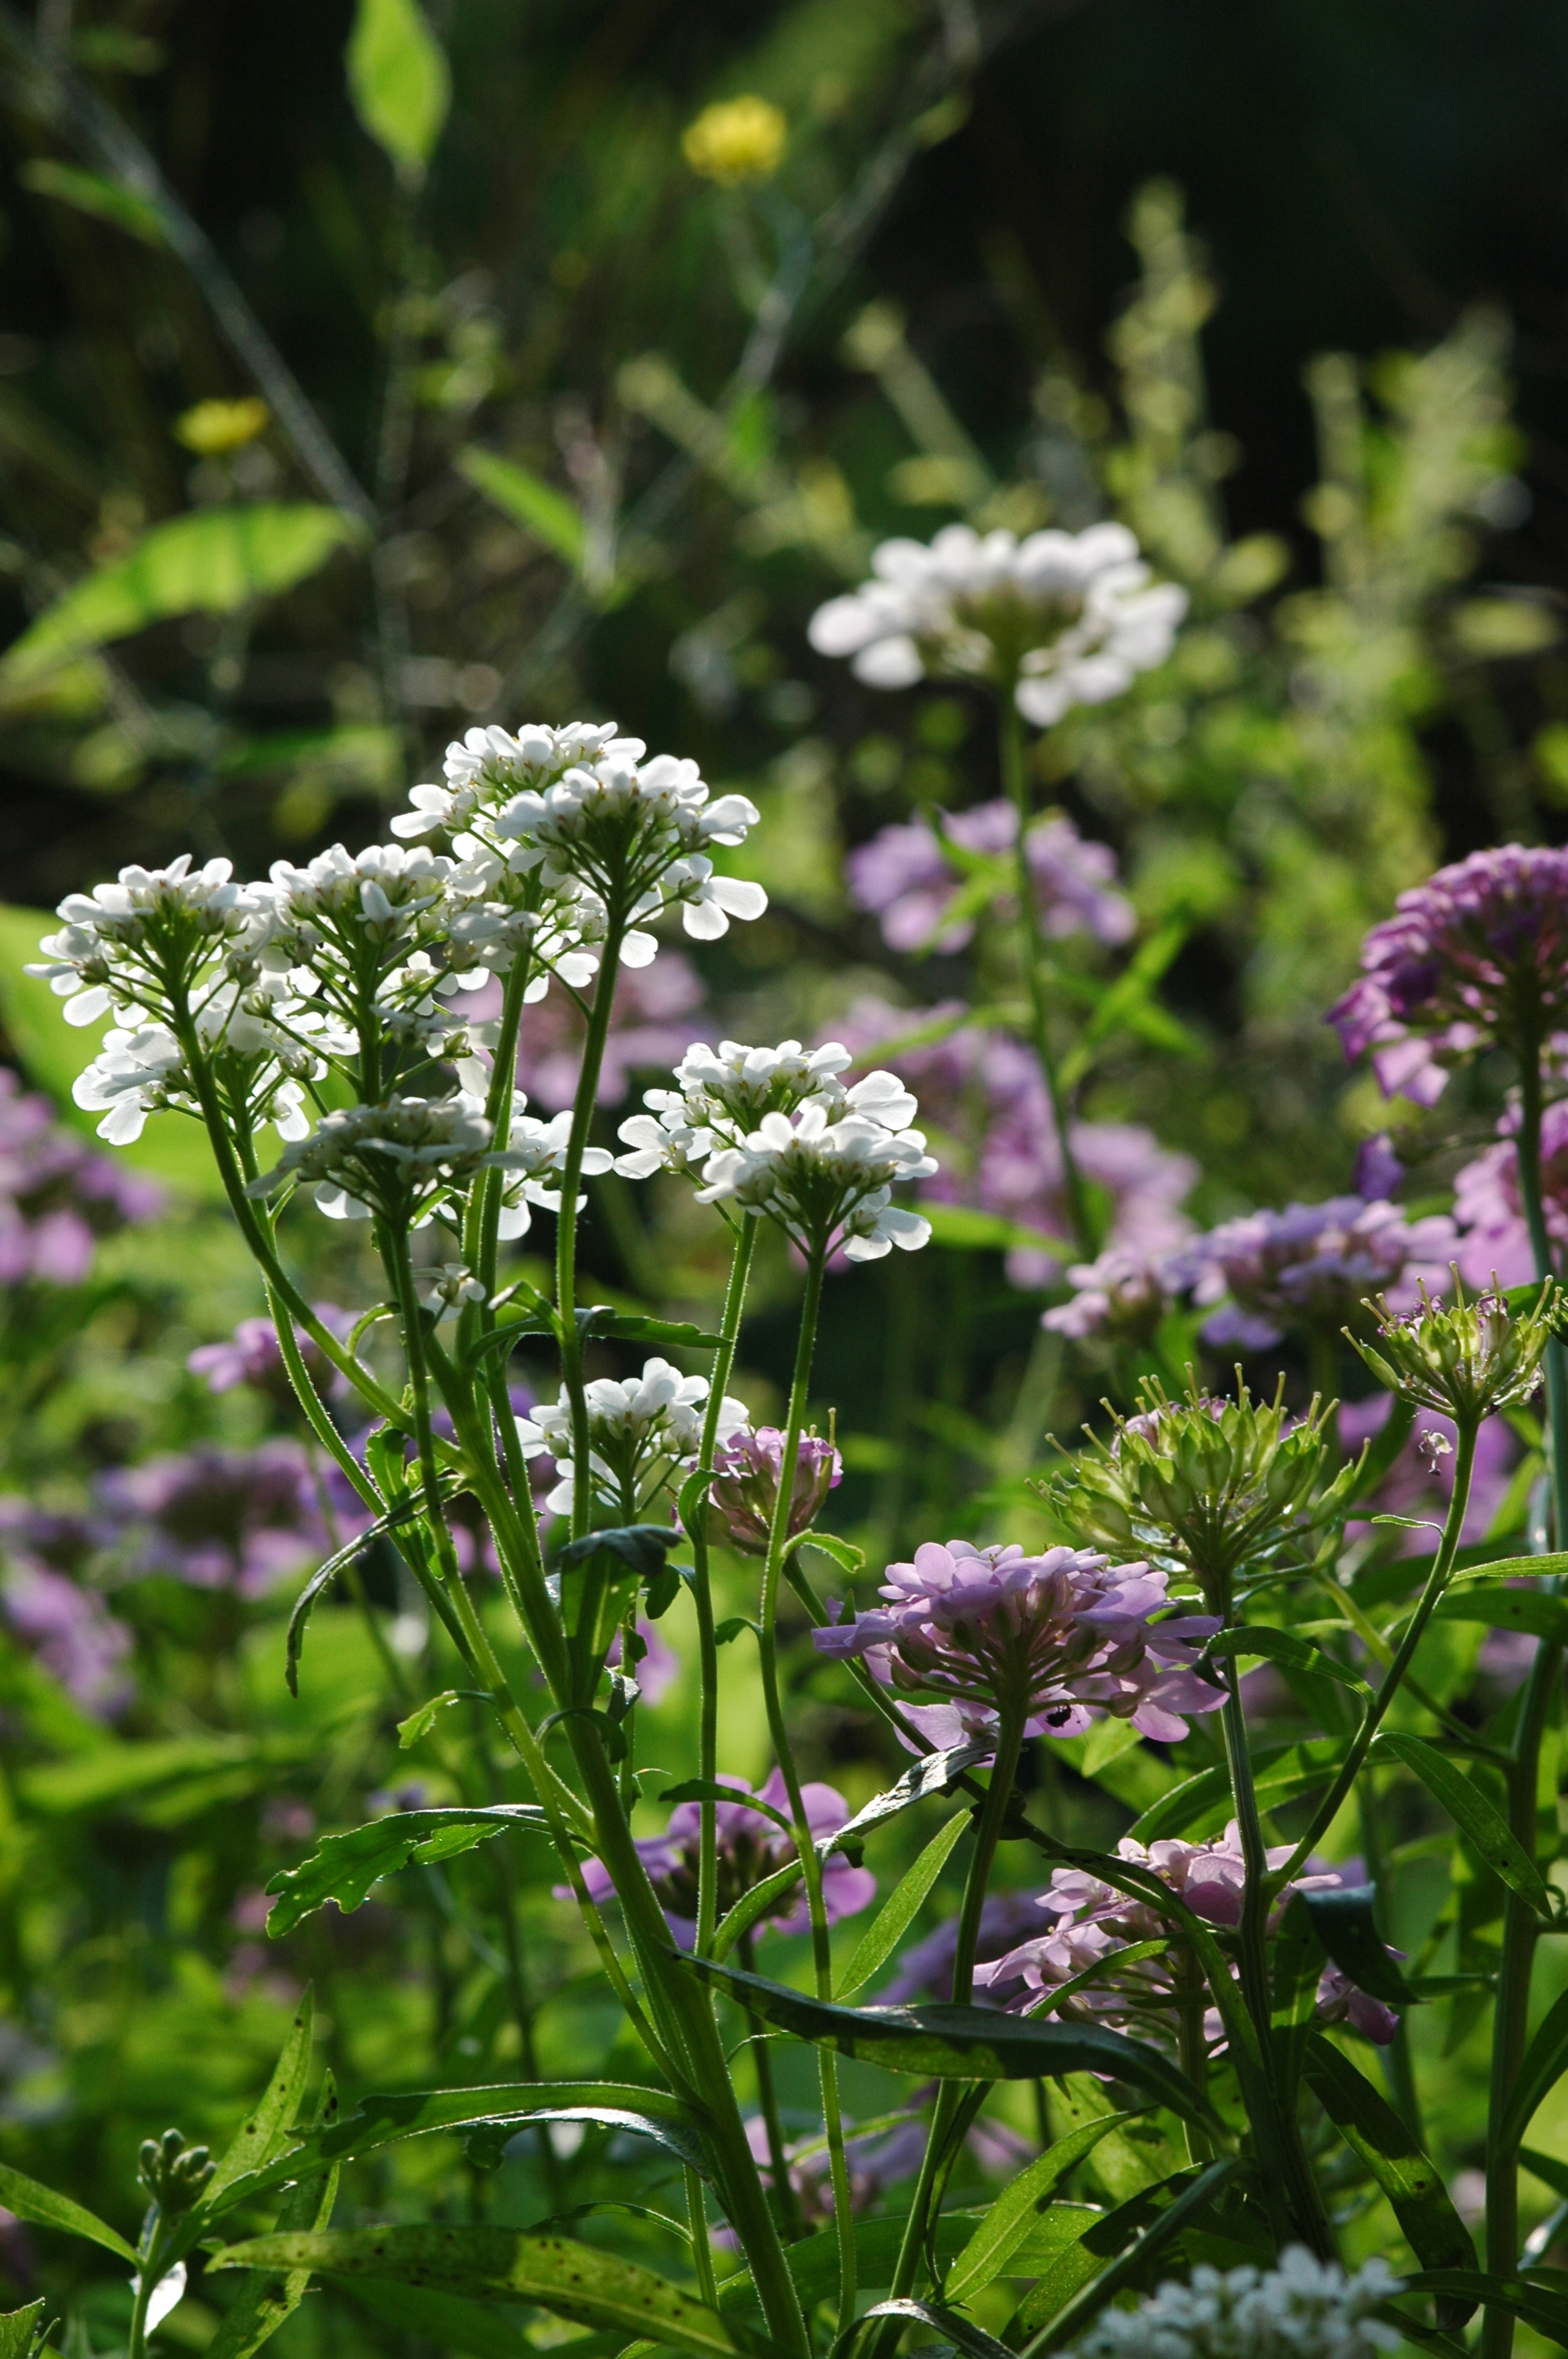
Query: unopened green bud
column 1466, row 1361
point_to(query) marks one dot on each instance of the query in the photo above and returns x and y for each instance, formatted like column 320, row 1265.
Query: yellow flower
column 736, row 139
column 213, row 426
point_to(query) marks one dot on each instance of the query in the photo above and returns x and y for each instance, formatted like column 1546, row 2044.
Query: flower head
column 1488, row 1208
column 1121, row 1295
column 723, row 1096
column 736, row 139
column 639, row 1432
column 1055, row 620
column 232, row 1519
column 67, row 1627
column 752, row 1846
column 907, row 875
column 1054, row 1640
column 826, row 1182
column 1310, row 1265
column 253, row 1355
column 1477, row 954
column 1305, row 2308
column 745, row 1497
column 1466, row 1362
column 136, row 943
column 1204, row 1486
column 406, row 1158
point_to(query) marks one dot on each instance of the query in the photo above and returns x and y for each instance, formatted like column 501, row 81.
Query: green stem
column 811, row 1866
column 767, row 2099
column 566, row 1226
column 1521, row 1928
column 1437, row 1581
column 702, row 1587
column 1015, row 780
column 1397, row 2060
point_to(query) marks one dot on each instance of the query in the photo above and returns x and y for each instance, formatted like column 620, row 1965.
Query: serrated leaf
column 420, row 1722
column 31, row 2201
column 398, row 79
column 527, row 500
column 1343, row 1922
column 1007, row 2223
column 1545, row 2061
column 571, row 2281
column 89, row 193
column 268, row 2131
column 211, row 562
column 21, row 2329
column 1374, row 2132
column 343, row 1867
column 947, row 2042
column 1467, row 1806
column 899, row 1910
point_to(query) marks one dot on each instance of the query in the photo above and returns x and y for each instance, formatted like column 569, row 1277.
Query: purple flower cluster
column 752, row 1846
column 745, row 1495
column 234, row 1519
column 906, row 876
column 1312, row 1265
column 981, row 1093
column 1091, row 1921
column 1478, row 953
column 64, row 1623
column 1488, row 1206
column 58, row 1195
column 1057, row 1639
column 252, row 1356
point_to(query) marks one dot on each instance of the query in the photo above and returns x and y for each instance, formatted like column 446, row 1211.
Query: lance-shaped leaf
column 487, row 2140
column 573, row 2281
column 1298, row 1965
column 814, row 2262
column 531, row 503
column 269, row 2130
column 405, row 1516
column 89, row 193
column 945, row 2042
column 1410, row 2180
column 343, row 1867
column 448, row 2322
column 1015, row 2212
column 1467, row 1806
column 961, row 2334
column 31, row 2201
column 1506, row 1609
column 265, row 2300
column 1535, row 2298
column 1545, row 2061
column 1080, row 2284
column 1284, row 1772
column 899, row 1910
column 399, row 80
column 1344, row 1924
column 1284, row 1646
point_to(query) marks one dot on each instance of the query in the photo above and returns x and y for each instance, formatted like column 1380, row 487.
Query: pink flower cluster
column 251, row 1356
column 58, row 1195
column 981, row 1094
column 1060, row 1637
column 906, row 876
column 1478, row 953
column 1092, row 1921
column 745, row 1495
column 1488, row 1206
column 752, row 1845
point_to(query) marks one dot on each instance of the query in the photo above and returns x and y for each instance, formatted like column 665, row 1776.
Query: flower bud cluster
column 1466, row 1362
column 744, row 1495
column 1204, row 1486
column 1054, row 1640
column 639, row 1433
column 173, row 2173
column 590, row 812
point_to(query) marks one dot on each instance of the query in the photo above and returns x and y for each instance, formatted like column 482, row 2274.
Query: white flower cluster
column 638, row 1432
column 402, row 1160
column 1060, row 618
column 128, row 947
column 593, row 815
column 1305, row 2308
column 781, row 1132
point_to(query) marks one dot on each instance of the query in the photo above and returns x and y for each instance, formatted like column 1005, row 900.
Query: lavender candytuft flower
column 1305, row 2308
column 752, row 1846
column 743, row 1498
column 252, row 1356
column 1467, row 1361
column 1054, row 620
column 1053, row 1640
column 1121, row 1297
column 1312, row 1265
column 1489, row 1210
column 908, row 876
column 1477, row 954
column 1092, row 1922
column 234, row 1519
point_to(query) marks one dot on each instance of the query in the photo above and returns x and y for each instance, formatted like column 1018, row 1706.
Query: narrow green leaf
column 265, row 2300
column 448, row 2322
column 1007, row 2223
column 632, row 1327
column 571, row 2281
column 814, row 2262
column 1343, row 1922
column 1282, row 1772
column 1506, row 1609
column 19, row 2329
column 899, row 1910
column 1059, row 2308
column 403, row 1517
column 1298, row 1963
column 1545, row 2061
column 487, row 2140
column 966, row 1230
column 30, row 2200
column 398, row 81
column 712, row 1789
column 843, row 1553
column 1374, row 2132
column 213, row 563
column 420, row 1722
column 89, row 193
column 1284, row 1647
column 957, row 2043
column 270, row 2130
column 1467, row 1806
column 1540, row 2306
column 527, row 500
column 961, row 2334
column 1551, row 1567
column 343, row 1867
column 1552, row 2171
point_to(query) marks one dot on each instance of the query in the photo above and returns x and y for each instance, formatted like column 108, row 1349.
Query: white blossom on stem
column 639, row 1431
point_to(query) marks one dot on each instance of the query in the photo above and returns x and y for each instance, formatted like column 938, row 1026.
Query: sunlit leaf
column 269, row 2129
column 1109, row 2250
column 1545, row 2061
column 898, row 1912
column 343, row 1867
column 398, row 79
column 45, row 2209
column 212, row 562
column 1007, row 2225
column 19, row 2329
column 265, row 2300
column 527, row 500
column 1411, row 2181
column 1468, row 1808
